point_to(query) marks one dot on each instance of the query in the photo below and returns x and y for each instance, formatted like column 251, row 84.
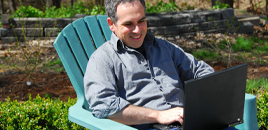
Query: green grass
column 262, row 48
column 242, row 44
column 251, row 49
column 205, row 54
column 54, row 65
column 251, row 43
column 256, row 84
column 55, row 62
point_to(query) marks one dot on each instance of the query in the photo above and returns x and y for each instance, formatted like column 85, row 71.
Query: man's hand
column 170, row 116
column 134, row 115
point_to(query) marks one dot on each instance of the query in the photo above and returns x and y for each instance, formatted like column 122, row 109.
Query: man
column 135, row 78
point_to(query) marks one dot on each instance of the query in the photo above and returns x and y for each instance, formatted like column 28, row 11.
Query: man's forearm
column 134, row 115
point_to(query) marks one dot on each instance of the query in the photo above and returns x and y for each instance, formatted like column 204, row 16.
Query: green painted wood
column 85, row 38
column 69, row 62
column 95, row 30
column 250, row 114
column 104, row 26
column 85, row 118
column 76, row 47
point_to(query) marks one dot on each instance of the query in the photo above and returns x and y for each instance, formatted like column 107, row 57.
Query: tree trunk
column 252, row 6
column 237, row 3
column 56, row 3
column 99, row 2
column 267, row 7
column 12, row 5
column 49, row 3
column 1, row 7
column 72, row 3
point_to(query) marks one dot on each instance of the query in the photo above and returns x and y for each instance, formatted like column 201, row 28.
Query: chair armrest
column 79, row 115
column 250, row 114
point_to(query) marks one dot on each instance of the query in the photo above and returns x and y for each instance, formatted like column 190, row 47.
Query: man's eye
column 142, row 21
column 127, row 24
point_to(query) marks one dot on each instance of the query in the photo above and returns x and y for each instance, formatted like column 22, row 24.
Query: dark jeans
column 147, row 127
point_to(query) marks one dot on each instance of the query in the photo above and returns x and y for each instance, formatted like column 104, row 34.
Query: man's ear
column 111, row 24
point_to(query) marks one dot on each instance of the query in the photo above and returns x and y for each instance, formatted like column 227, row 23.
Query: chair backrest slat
column 69, row 62
column 75, row 46
column 95, row 30
column 84, row 36
column 104, row 26
column 76, row 43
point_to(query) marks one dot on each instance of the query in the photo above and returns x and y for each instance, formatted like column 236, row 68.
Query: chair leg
column 250, row 114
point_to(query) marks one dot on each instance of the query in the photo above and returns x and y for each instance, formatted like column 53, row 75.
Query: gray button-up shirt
column 117, row 76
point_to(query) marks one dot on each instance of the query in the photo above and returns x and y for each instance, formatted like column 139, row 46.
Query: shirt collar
column 149, row 40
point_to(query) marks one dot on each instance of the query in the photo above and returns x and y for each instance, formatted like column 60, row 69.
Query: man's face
column 131, row 26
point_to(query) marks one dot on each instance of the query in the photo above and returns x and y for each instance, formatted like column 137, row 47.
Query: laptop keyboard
column 173, row 126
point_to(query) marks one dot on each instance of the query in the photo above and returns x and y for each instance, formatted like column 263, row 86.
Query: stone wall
column 165, row 24
column 33, row 28
column 191, row 22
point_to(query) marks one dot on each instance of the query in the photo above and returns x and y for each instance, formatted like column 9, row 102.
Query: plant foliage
column 262, row 108
column 161, row 7
column 220, row 5
column 38, row 113
column 27, row 11
column 242, row 44
column 64, row 11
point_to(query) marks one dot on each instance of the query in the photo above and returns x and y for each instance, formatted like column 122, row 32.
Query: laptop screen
column 215, row 100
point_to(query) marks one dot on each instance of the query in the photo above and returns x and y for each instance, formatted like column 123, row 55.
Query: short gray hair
column 111, row 7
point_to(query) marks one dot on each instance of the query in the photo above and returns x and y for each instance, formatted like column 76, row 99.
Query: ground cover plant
column 63, row 11
column 57, row 88
column 38, row 113
column 80, row 8
column 252, row 50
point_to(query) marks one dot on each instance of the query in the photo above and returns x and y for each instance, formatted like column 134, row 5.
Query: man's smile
column 136, row 37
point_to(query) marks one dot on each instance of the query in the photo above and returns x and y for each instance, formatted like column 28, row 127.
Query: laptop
column 213, row 102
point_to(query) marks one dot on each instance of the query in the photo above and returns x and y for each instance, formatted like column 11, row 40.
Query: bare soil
column 52, row 85
column 57, row 85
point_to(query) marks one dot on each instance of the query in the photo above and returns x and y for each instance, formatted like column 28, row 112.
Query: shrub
column 262, row 108
column 27, row 11
column 63, row 11
column 161, row 7
column 38, row 113
column 220, row 5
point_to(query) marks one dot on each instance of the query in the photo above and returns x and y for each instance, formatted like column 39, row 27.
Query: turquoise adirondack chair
column 76, row 43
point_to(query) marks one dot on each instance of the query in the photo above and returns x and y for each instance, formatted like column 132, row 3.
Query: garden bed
column 53, row 81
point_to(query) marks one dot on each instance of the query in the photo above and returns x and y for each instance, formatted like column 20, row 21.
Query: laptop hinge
column 239, row 121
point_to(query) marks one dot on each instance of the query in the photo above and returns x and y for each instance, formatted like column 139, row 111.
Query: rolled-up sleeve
column 101, row 90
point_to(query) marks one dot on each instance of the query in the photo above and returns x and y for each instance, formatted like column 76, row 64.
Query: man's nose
column 136, row 29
